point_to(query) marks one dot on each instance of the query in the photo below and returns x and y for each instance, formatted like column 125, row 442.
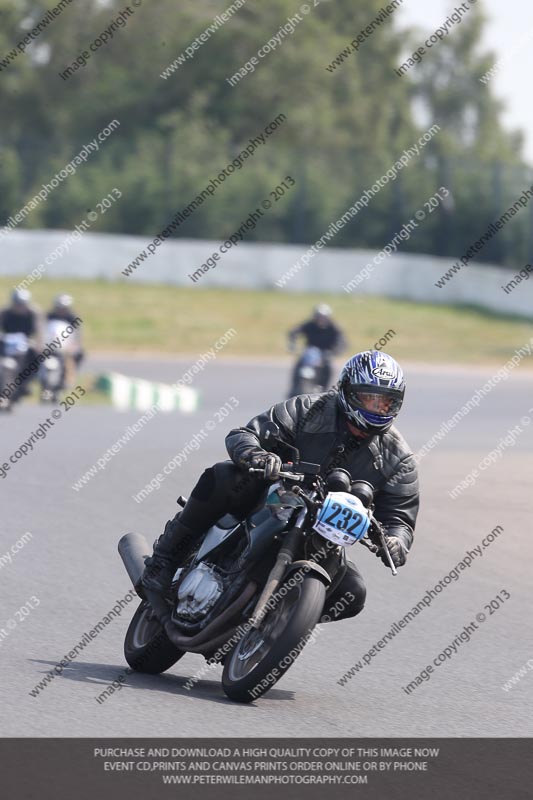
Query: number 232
column 347, row 516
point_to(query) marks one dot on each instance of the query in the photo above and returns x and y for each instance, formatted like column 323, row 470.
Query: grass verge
column 169, row 319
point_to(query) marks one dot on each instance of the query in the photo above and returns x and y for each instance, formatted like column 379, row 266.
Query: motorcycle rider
column 73, row 354
column 21, row 317
column 348, row 427
column 62, row 309
column 320, row 332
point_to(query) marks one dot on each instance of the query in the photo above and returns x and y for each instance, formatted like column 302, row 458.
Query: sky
column 509, row 33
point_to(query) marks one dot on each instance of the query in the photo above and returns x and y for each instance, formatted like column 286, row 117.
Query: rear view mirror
column 270, row 432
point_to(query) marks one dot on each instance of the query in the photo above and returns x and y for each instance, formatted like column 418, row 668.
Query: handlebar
column 287, row 471
column 284, row 473
column 383, row 542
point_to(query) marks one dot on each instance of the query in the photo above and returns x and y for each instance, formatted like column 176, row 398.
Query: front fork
column 285, row 557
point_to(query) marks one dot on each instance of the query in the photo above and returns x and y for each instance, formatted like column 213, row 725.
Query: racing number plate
column 343, row 519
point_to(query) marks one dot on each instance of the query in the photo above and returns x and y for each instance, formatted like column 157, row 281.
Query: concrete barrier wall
column 259, row 266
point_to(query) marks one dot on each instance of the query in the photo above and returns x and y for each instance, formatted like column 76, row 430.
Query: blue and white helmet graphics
column 371, row 391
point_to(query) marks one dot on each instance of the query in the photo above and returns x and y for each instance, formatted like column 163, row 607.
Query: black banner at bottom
column 384, row 769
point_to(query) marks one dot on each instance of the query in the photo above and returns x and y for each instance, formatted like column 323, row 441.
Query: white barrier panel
column 126, row 393
column 260, row 266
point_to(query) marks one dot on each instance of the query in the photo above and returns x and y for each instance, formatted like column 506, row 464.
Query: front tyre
column 262, row 656
column 147, row 648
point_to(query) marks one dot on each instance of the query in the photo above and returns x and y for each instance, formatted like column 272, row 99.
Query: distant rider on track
column 320, row 332
column 21, row 317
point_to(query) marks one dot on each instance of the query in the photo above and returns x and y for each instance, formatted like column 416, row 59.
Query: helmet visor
column 383, row 402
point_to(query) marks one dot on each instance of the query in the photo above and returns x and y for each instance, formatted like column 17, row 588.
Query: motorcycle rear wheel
column 261, row 657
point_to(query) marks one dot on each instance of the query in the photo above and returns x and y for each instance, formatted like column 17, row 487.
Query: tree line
column 162, row 70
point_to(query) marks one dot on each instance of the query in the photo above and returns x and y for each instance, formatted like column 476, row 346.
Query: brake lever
column 312, row 505
column 293, row 476
column 383, row 542
column 369, row 544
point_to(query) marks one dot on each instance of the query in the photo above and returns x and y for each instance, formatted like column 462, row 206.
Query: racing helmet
column 63, row 301
column 371, row 391
column 20, row 297
column 322, row 310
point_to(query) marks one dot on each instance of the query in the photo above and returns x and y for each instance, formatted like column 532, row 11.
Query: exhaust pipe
column 206, row 637
column 133, row 549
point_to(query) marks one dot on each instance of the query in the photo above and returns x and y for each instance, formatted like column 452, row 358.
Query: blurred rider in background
column 21, row 317
column 62, row 311
column 321, row 332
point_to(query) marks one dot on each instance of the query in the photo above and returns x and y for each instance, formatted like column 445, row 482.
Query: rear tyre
column 261, row 657
column 147, row 648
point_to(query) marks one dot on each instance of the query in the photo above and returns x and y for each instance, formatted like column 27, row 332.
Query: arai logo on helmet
column 383, row 373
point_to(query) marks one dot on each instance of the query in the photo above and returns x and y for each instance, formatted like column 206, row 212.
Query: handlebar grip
column 289, row 467
column 287, row 471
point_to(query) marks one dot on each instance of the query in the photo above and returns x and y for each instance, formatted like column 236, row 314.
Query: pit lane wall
column 60, row 254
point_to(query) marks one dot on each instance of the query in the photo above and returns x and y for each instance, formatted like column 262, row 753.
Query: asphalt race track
column 72, row 567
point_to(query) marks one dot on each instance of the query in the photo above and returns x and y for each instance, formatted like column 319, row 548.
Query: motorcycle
column 52, row 371
column 13, row 350
column 310, row 372
column 252, row 592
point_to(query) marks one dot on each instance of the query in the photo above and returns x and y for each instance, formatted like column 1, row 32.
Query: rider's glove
column 270, row 463
column 397, row 550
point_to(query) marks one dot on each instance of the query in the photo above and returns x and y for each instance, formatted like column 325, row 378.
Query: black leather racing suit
column 315, row 425
column 26, row 322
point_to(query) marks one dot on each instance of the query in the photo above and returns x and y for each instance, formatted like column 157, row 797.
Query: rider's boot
column 176, row 543
column 170, row 551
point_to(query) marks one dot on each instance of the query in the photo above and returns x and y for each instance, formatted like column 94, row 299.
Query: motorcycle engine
column 198, row 592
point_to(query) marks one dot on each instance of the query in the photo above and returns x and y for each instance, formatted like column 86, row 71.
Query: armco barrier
column 260, row 265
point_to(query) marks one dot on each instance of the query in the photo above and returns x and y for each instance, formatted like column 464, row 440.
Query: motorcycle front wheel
column 263, row 655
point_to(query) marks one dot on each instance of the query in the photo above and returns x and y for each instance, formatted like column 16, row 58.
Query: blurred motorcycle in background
column 13, row 355
column 323, row 339
column 52, row 371
column 311, row 372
